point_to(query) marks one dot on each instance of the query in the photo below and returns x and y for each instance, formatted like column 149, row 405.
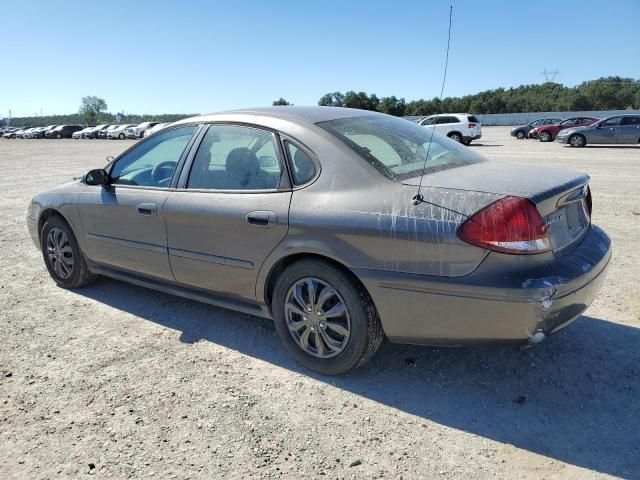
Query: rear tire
column 544, row 136
column 121, row 136
column 347, row 340
column 455, row 136
column 62, row 255
column 577, row 140
column 58, row 136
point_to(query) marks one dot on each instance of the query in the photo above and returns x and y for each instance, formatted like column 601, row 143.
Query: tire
column 520, row 135
column 577, row 140
column 58, row 136
column 466, row 142
column 455, row 136
column 55, row 246
column 545, row 137
column 121, row 136
column 361, row 332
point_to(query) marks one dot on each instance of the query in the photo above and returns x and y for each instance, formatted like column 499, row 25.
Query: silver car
column 618, row 129
column 343, row 226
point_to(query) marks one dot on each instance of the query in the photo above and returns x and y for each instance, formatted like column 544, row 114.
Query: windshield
column 397, row 147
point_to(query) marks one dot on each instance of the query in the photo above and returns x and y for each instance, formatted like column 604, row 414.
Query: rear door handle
column 261, row 218
column 147, row 209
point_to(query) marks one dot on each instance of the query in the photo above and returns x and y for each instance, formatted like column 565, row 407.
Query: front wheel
column 58, row 136
column 577, row 140
column 544, row 136
column 62, row 255
column 121, row 136
column 325, row 318
column 520, row 135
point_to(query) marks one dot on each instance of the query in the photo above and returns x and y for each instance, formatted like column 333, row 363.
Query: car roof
column 295, row 114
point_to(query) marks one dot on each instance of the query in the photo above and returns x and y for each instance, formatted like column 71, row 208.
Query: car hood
column 568, row 131
column 535, row 183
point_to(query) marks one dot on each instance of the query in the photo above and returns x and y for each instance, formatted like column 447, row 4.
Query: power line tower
column 550, row 75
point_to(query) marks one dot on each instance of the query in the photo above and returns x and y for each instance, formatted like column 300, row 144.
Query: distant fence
column 495, row 119
column 520, row 118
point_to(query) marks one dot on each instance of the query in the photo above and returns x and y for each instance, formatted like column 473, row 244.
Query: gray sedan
column 618, row 129
column 522, row 131
column 343, row 226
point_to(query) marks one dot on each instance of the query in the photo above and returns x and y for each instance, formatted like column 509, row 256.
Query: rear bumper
column 489, row 305
column 472, row 137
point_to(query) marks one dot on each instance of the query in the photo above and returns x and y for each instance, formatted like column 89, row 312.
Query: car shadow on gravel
column 573, row 398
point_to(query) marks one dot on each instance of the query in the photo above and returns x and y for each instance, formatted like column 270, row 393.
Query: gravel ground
column 118, row 381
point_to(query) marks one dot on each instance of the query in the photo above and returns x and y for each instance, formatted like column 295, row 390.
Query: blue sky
column 203, row 56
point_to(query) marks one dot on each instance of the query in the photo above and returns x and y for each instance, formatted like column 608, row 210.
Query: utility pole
column 550, row 75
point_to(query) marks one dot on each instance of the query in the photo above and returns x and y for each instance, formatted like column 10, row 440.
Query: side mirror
column 97, row 177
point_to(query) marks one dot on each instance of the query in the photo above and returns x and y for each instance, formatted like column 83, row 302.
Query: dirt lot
column 118, row 381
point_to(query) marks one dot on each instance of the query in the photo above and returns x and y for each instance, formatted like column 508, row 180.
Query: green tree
column 280, row 102
column 335, row 99
column 91, row 108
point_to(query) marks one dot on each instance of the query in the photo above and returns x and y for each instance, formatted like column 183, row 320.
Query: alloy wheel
column 576, row 141
column 60, row 253
column 544, row 137
column 317, row 317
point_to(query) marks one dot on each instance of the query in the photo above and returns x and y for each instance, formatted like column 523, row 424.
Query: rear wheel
column 58, row 136
column 577, row 140
column 544, row 136
column 455, row 136
column 520, row 135
column 62, row 255
column 121, row 136
column 325, row 318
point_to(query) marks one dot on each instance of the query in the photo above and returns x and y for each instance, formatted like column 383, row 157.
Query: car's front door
column 605, row 132
column 122, row 223
column 231, row 209
column 629, row 130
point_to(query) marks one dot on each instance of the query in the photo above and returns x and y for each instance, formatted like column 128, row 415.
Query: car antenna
column 418, row 198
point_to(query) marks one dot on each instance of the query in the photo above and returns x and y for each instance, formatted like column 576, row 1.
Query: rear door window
column 233, row 157
column 630, row 121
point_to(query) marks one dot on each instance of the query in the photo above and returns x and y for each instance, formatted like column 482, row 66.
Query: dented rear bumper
column 507, row 298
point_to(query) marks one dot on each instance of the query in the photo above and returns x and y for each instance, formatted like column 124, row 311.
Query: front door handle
column 261, row 218
column 147, row 209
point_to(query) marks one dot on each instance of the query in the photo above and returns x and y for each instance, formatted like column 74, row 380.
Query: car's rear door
column 629, row 131
column 230, row 210
column 123, row 223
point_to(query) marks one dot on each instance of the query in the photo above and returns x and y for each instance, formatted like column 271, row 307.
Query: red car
column 548, row 133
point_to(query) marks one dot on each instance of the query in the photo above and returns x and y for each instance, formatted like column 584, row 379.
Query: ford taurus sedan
column 618, row 129
column 343, row 226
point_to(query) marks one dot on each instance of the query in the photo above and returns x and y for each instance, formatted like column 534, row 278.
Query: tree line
column 606, row 93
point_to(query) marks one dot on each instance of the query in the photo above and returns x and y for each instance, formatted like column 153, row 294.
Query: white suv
column 461, row 127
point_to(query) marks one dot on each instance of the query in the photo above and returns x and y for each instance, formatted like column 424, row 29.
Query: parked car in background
column 548, row 133
column 14, row 132
column 103, row 133
column 23, row 133
column 93, row 133
column 617, row 129
column 40, row 133
column 342, row 252
column 62, row 131
column 522, row 131
column 120, row 132
column 82, row 133
column 138, row 131
column 461, row 127
column 155, row 128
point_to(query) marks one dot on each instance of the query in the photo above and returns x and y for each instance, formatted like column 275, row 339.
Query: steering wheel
column 158, row 169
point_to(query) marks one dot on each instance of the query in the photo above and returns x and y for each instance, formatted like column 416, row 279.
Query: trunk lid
column 560, row 195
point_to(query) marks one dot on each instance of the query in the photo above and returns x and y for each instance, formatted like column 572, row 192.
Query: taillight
column 472, row 125
column 588, row 201
column 510, row 225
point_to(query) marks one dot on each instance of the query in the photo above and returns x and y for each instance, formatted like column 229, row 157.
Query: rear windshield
column 473, row 119
column 397, row 147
